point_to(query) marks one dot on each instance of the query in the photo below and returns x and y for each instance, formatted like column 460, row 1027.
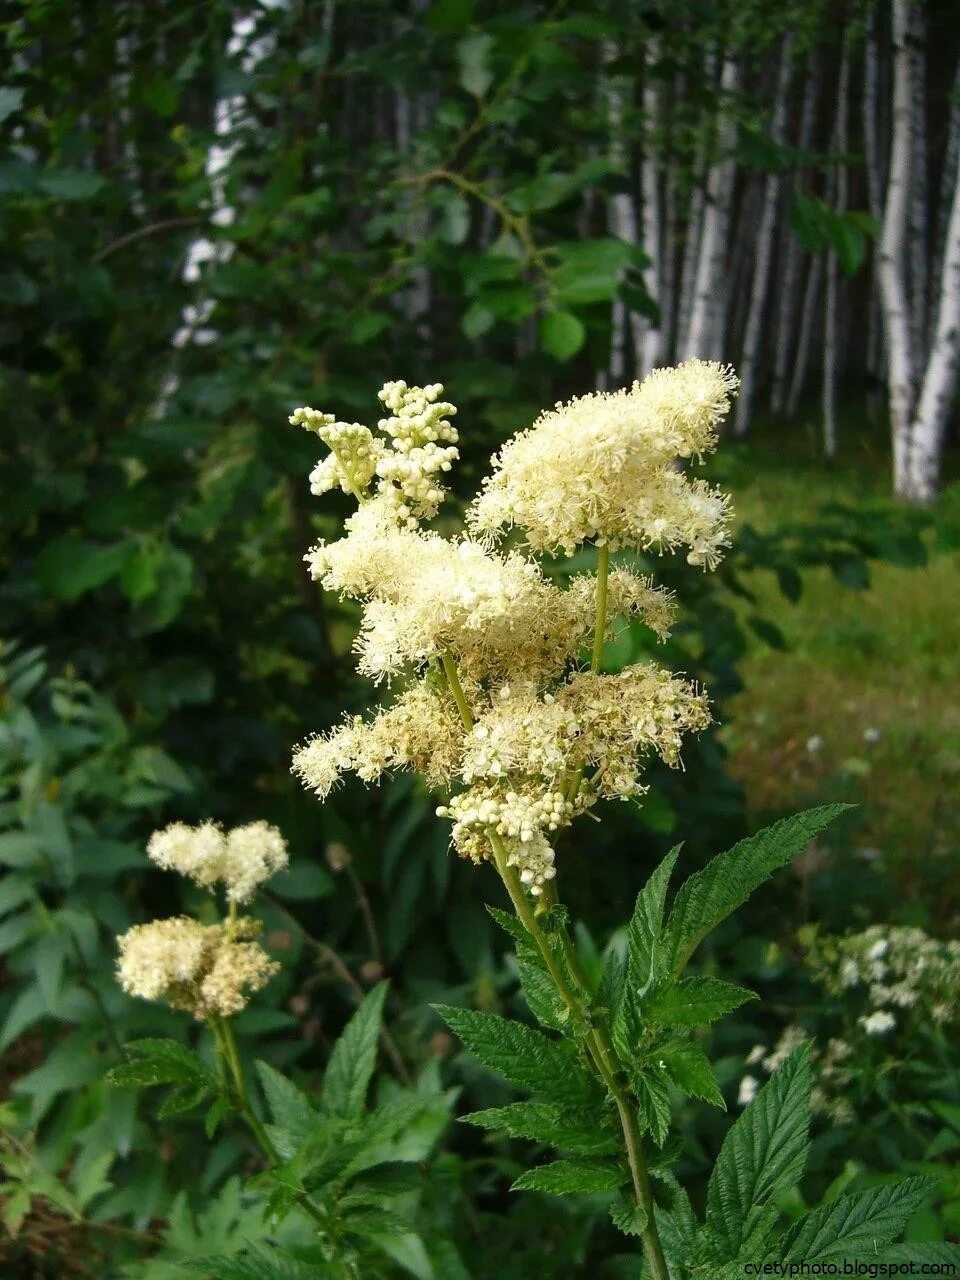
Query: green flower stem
column 232, row 1070
column 600, row 1047
column 602, row 1053
column 456, row 688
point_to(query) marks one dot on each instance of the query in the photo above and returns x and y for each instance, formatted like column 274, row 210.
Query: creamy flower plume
column 205, row 970
column 602, row 467
column 241, row 860
column 499, row 713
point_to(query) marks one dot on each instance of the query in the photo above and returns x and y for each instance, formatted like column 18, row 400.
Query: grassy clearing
column 865, row 703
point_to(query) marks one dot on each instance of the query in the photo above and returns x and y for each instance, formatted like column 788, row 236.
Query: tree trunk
column 621, row 209
column 832, row 319
column 704, row 338
column 917, row 265
column 648, row 335
column 764, row 251
column 873, row 157
column 940, row 378
column 793, row 257
column 892, row 259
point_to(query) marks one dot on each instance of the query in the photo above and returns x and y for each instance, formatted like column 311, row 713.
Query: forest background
column 210, row 214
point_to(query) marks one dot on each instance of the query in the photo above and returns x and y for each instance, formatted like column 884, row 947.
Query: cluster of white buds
column 354, row 452
column 423, row 445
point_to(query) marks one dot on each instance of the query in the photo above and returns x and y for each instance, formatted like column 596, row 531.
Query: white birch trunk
column 764, row 252
column 229, row 113
column 621, row 212
column 873, row 157
column 892, row 258
column 694, row 228
column 648, row 335
column 951, row 158
column 703, row 338
column 940, row 378
column 918, row 184
column 831, row 328
column 793, row 258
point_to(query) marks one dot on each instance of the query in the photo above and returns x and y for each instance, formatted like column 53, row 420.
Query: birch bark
column 940, row 377
column 764, row 251
column 704, row 337
column 892, row 257
column 832, row 319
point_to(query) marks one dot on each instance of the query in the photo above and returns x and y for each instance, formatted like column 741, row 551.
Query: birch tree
column 764, row 251
column 702, row 337
column 936, row 398
column 892, row 268
column 831, row 329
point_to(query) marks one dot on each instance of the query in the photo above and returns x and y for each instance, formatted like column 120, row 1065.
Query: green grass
column 864, row 704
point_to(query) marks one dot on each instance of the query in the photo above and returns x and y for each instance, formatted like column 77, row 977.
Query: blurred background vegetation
column 210, row 214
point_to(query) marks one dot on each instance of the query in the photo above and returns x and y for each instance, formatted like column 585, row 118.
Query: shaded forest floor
column 863, row 705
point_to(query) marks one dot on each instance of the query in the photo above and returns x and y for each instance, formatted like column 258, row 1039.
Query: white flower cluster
column 901, row 982
column 422, row 446
column 241, row 859
column 603, row 467
column 206, row 970
column 496, row 707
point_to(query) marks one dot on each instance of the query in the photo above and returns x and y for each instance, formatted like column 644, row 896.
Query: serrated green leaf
column 290, row 1108
column 524, row 1056
column 541, row 1122
column 653, row 1100
column 539, row 991
column 511, row 925
column 571, row 1177
column 763, row 1153
column 646, row 923
column 258, row 1262
column 643, row 955
column 694, row 1002
column 927, row 1252
column 182, row 1099
column 152, row 1062
column 855, row 1225
column 628, row 1216
column 690, row 1070
column 214, row 1115
column 726, row 882
column 351, row 1064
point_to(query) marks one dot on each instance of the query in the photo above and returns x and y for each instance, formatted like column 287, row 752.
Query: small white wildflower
column 749, row 1087
column 879, row 949
column 849, row 972
column 878, row 1023
column 814, row 744
column 240, row 860
column 756, row 1055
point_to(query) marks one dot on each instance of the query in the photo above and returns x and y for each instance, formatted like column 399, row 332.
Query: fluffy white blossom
column 496, row 708
column 749, row 1088
column 240, row 860
column 603, row 467
column 206, row 970
column 878, row 1023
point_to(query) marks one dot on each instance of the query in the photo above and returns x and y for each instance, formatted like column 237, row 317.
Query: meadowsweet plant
column 496, row 693
column 338, row 1172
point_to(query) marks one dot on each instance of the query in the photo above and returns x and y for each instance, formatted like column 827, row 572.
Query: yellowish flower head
column 205, row 970
column 241, row 860
column 603, row 467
